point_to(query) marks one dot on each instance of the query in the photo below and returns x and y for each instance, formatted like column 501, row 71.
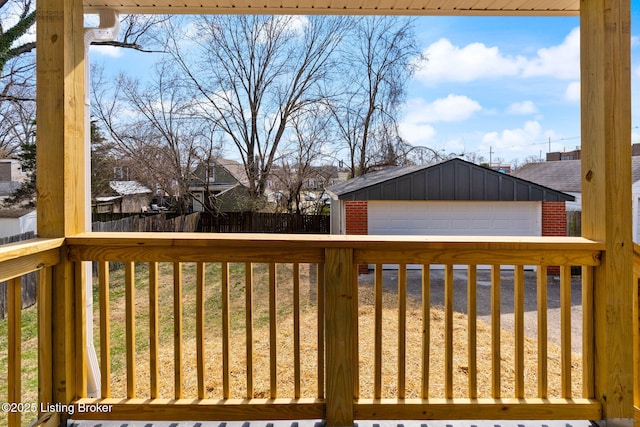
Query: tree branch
column 133, row 46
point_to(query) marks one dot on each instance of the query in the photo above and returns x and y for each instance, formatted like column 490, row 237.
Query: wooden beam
column 201, row 410
column 60, row 180
column 339, row 292
column 606, row 194
column 60, row 114
column 471, row 409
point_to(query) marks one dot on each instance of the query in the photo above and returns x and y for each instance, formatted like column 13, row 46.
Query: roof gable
column 453, row 179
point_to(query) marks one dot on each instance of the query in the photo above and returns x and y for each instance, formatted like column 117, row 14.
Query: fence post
column 339, row 336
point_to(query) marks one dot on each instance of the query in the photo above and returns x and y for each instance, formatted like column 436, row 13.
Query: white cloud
column 449, row 63
column 453, row 108
column 573, row 92
column 522, row 108
column 110, row 51
column 446, row 62
column 416, row 133
column 561, row 61
column 517, row 140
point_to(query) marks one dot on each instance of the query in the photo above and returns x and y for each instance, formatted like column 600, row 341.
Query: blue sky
column 505, row 88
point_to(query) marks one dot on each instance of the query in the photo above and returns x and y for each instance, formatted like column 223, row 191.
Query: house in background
column 220, row 186
column 14, row 222
column 565, row 176
column 126, row 196
column 454, row 197
column 11, row 177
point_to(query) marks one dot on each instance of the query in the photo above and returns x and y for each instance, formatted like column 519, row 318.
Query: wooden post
column 339, row 333
column 60, row 179
column 606, row 194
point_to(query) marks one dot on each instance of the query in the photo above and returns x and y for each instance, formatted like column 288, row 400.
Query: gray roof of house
column 453, row 179
column 563, row 175
column 236, row 169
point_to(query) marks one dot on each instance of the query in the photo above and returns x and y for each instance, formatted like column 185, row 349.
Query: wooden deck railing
column 17, row 260
column 237, row 327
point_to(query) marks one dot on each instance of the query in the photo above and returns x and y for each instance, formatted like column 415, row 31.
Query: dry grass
column 285, row 359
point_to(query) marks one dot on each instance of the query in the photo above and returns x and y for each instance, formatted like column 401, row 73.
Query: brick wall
column 554, row 219
column 554, row 223
column 357, row 222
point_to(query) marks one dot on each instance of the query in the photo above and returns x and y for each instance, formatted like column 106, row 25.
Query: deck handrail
column 337, row 310
column 20, row 258
column 310, row 248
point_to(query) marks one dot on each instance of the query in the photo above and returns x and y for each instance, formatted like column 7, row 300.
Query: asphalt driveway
column 414, row 286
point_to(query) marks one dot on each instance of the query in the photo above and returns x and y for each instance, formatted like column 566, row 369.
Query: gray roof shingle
column 564, row 175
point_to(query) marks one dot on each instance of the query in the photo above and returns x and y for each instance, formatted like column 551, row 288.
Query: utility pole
column 490, row 155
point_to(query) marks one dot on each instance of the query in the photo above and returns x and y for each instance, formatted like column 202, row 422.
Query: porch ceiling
column 319, row 7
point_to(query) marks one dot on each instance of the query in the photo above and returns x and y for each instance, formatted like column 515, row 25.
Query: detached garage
column 453, row 197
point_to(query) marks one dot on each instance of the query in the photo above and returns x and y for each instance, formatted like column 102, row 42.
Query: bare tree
column 378, row 61
column 17, row 126
column 156, row 127
column 137, row 32
column 255, row 74
column 297, row 163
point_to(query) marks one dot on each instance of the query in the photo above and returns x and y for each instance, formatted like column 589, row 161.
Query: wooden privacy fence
column 216, row 294
column 146, row 222
column 263, row 222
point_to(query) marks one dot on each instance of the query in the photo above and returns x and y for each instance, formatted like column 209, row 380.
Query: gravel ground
column 414, row 286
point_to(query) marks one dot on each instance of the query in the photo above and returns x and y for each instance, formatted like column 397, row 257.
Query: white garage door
column 455, row 218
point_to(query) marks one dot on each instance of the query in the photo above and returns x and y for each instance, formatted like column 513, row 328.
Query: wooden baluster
column 542, row 331
column 177, row 328
column 273, row 332
column 402, row 328
column 320, row 295
column 248, row 284
column 14, row 356
column 495, row 331
column 426, row 329
column 565, row 330
column 448, row 332
column 153, row 330
column 296, row 330
column 200, row 320
column 226, row 393
column 588, row 335
column 472, row 284
column 377, row 357
column 80, row 328
column 105, row 329
column 45, row 338
column 518, row 314
column 130, row 321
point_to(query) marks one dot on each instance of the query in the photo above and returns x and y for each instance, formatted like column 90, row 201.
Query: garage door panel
column 454, row 218
column 439, row 218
